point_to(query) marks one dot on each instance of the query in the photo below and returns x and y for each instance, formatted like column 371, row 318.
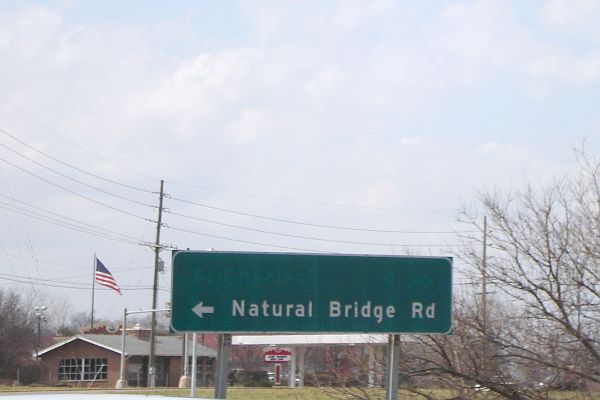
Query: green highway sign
column 235, row 292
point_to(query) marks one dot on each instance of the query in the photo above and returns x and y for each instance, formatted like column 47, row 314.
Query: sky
column 356, row 127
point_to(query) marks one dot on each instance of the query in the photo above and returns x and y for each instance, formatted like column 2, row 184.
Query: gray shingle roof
column 165, row 345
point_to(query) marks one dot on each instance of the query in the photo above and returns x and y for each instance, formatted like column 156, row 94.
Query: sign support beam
column 184, row 380
column 393, row 366
column 292, row 370
column 223, row 351
column 194, row 365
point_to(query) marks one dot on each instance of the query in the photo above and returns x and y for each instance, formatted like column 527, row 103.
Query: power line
column 16, row 276
column 93, row 227
column 241, row 240
column 10, row 229
column 288, row 221
column 66, row 285
column 77, row 194
column 37, row 121
column 75, row 180
column 204, row 205
column 12, row 266
column 290, row 247
column 306, row 237
column 64, row 224
column 314, row 202
column 29, row 244
column 71, row 277
column 73, row 266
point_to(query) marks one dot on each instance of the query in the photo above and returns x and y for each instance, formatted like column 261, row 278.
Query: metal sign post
column 393, row 364
column 277, row 374
column 121, row 382
column 184, row 380
column 223, row 351
column 194, row 366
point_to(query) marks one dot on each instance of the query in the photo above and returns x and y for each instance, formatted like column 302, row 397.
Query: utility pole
column 151, row 360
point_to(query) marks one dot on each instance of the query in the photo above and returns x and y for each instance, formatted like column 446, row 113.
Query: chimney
column 140, row 332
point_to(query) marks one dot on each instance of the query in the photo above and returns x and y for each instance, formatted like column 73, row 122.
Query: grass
column 255, row 393
column 237, row 393
column 232, row 393
column 284, row 393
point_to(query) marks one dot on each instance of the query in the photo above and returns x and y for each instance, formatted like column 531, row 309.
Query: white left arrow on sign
column 200, row 309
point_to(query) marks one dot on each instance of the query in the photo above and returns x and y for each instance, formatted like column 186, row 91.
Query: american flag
column 105, row 278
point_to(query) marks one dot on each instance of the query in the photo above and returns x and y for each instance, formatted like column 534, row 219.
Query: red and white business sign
column 278, row 356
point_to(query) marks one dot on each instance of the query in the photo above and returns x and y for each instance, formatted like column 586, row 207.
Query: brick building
column 93, row 360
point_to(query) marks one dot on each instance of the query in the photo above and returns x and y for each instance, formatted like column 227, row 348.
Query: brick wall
column 78, row 349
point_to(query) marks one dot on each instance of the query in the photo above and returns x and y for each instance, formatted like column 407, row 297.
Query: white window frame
column 83, row 369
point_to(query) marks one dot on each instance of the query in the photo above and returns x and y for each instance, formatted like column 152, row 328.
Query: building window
column 205, row 370
column 83, row 369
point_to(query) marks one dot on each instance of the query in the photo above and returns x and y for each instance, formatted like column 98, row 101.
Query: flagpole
column 93, row 287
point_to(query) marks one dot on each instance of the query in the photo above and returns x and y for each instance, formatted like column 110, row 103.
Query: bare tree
column 16, row 333
column 544, row 265
column 73, row 323
column 247, row 357
column 468, row 361
column 539, row 327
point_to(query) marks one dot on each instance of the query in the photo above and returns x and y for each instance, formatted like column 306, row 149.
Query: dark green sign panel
column 301, row 293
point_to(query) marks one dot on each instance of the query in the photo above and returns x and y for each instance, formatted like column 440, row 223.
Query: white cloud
column 251, row 126
column 380, row 104
column 504, row 151
column 576, row 17
column 558, row 64
column 409, row 141
column 475, row 37
column 505, row 164
column 29, row 31
column 196, row 91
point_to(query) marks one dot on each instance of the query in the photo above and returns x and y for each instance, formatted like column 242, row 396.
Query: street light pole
column 39, row 315
column 122, row 383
